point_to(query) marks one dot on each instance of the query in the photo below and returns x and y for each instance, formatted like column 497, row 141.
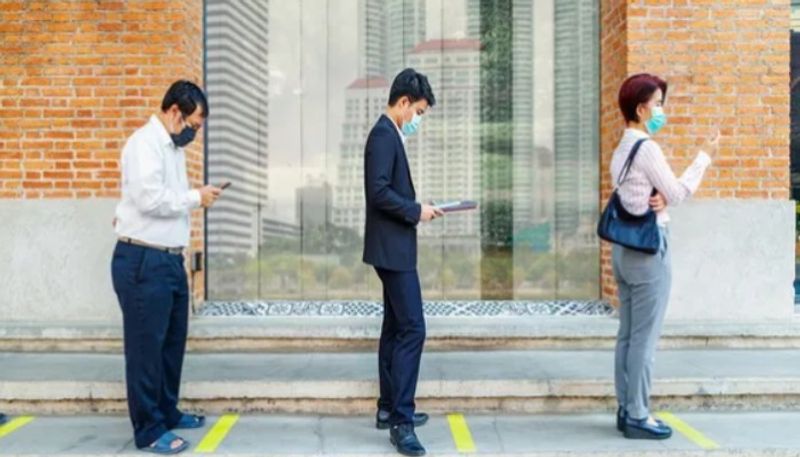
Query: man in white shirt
column 152, row 223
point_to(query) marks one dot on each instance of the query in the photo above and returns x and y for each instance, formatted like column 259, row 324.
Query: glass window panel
column 295, row 88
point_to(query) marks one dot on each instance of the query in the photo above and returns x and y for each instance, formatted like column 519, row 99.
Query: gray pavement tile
column 592, row 434
column 69, row 435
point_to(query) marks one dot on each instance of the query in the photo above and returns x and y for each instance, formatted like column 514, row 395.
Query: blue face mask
column 657, row 120
column 411, row 127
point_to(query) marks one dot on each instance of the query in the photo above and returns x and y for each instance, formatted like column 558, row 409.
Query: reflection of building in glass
column 388, row 30
column 527, row 176
column 272, row 229
column 445, row 154
column 365, row 100
column 474, row 19
column 371, row 36
column 576, row 118
column 236, row 81
column 313, row 205
column 405, row 29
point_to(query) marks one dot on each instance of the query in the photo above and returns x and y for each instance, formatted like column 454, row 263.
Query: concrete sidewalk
column 726, row 434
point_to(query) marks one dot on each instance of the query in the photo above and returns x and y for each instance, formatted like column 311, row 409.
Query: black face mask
column 185, row 137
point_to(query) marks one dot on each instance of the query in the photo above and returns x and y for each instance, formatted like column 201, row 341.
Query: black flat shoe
column 3, row 418
column 622, row 415
column 405, row 440
column 641, row 429
column 382, row 419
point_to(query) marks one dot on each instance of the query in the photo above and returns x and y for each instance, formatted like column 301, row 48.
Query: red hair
column 639, row 89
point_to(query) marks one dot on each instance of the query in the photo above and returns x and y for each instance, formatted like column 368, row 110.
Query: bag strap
column 626, row 168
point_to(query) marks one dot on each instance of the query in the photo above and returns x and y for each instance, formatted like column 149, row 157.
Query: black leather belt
column 174, row 251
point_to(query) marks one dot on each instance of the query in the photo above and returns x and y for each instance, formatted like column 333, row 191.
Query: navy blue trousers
column 153, row 293
column 402, row 340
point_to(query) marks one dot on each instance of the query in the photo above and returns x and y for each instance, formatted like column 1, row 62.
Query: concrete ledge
column 59, row 266
column 217, row 334
column 733, row 260
column 197, row 391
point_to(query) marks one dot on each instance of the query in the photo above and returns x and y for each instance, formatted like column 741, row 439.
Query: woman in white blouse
column 644, row 280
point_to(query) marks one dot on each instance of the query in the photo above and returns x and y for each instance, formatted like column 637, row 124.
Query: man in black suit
column 390, row 246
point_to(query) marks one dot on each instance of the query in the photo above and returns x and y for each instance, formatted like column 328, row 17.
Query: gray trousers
column 643, row 281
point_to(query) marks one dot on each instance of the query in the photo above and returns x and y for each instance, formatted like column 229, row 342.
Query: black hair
column 413, row 85
column 187, row 96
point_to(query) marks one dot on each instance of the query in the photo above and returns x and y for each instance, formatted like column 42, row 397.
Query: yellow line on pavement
column 461, row 434
column 688, row 431
column 14, row 424
column 217, row 434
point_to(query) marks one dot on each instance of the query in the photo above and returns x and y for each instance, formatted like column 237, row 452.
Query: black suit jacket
column 390, row 235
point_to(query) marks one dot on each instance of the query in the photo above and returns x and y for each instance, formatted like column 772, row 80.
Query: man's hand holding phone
column 209, row 194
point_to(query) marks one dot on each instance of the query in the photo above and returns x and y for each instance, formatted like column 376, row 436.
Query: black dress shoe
column 382, row 419
column 3, row 418
column 641, row 429
column 405, row 440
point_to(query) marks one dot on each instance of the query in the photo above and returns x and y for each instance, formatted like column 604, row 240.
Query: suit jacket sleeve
column 379, row 167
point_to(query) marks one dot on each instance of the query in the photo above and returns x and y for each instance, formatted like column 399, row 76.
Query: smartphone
column 225, row 185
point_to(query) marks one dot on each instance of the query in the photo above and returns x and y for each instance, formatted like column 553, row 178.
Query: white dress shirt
column 156, row 199
column 651, row 170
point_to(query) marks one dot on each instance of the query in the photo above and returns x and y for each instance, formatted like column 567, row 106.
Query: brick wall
column 76, row 79
column 727, row 63
column 613, row 70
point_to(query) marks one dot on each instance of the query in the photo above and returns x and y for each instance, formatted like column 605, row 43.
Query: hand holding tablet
column 456, row 205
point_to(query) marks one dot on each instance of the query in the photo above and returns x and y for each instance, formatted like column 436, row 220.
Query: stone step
column 345, row 383
column 337, row 334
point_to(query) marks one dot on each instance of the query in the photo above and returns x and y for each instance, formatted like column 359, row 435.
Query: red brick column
column 76, row 79
column 727, row 63
column 613, row 70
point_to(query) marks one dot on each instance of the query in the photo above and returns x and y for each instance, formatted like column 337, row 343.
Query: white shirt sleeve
column 675, row 190
column 145, row 175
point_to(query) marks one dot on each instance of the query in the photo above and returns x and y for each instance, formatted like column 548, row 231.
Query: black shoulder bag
column 618, row 226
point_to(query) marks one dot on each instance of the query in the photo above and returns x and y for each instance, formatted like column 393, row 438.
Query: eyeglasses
column 186, row 123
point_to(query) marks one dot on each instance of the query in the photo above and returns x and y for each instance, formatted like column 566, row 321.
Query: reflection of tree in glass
column 324, row 264
column 340, row 278
column 496, row 148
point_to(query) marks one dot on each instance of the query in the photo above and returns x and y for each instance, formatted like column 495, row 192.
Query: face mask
column 185, row 137
column 657, row 120
column 411, row 127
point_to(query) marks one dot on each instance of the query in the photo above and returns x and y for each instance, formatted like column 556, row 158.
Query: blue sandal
column 163, row 445
column 190, row 421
